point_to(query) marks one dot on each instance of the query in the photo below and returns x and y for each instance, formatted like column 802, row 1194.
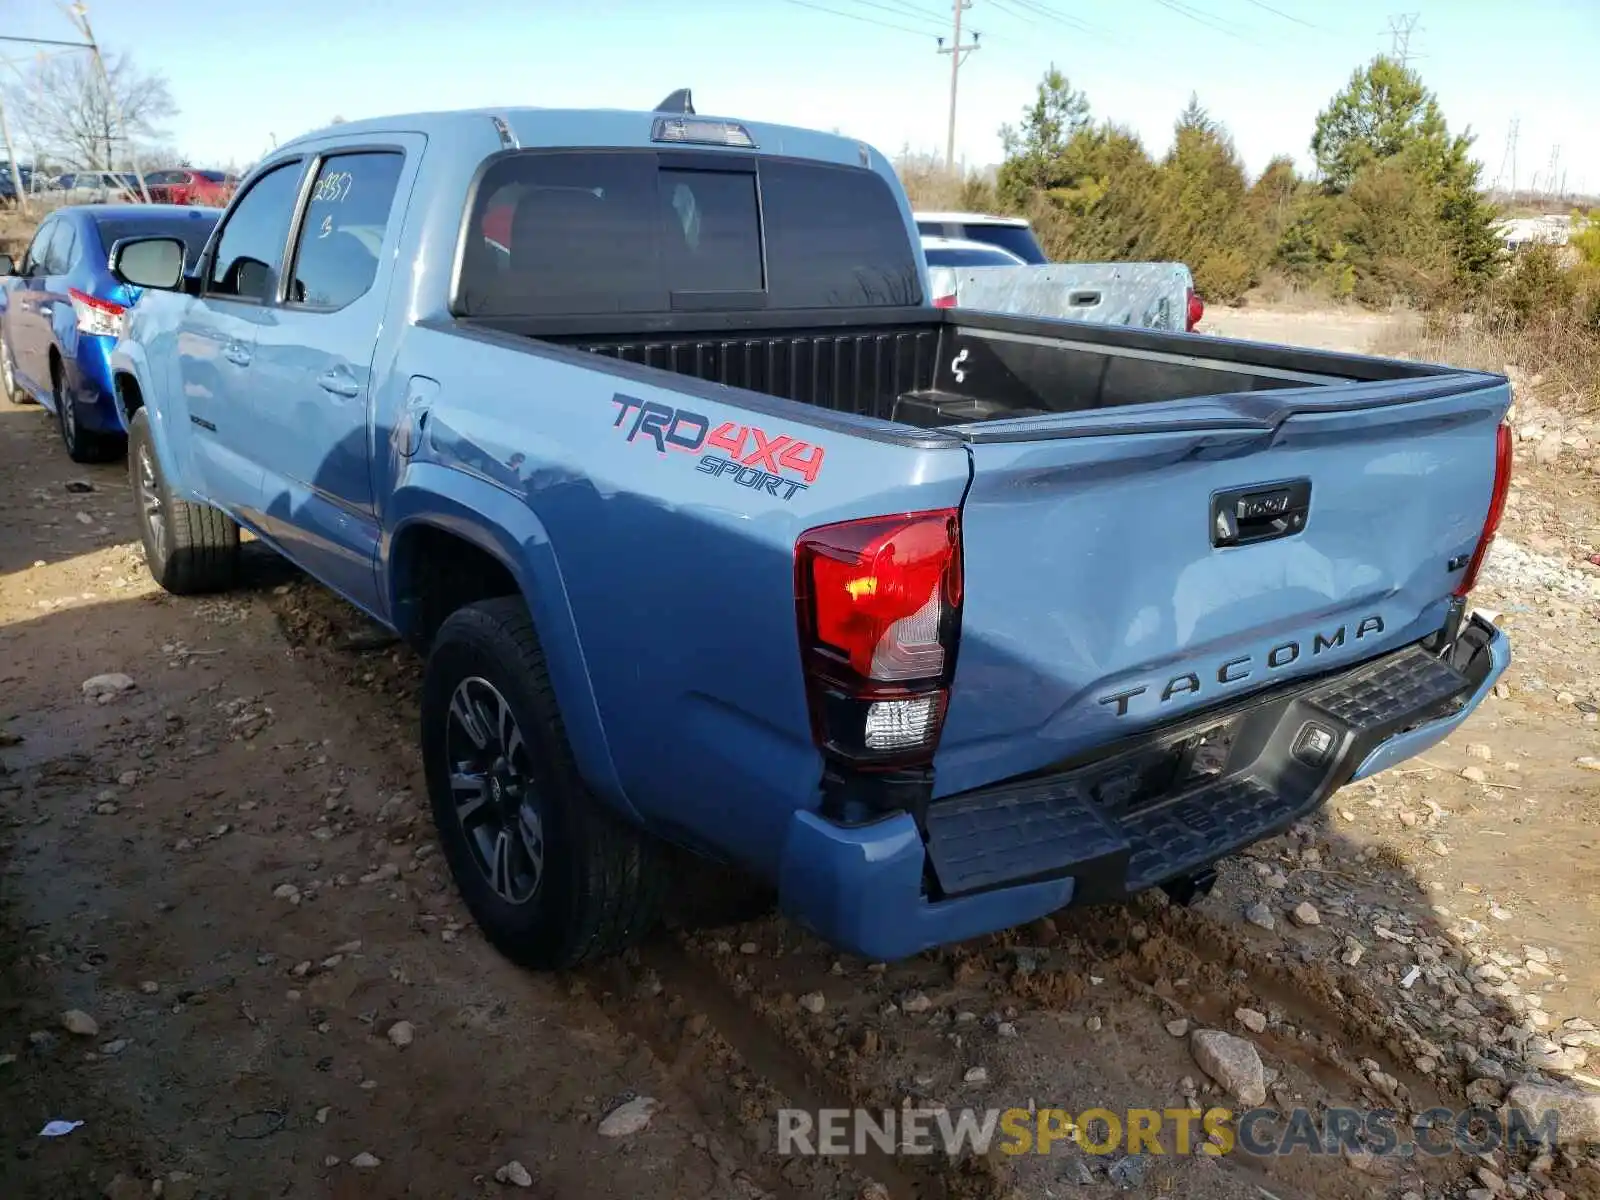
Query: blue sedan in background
column 61, row 312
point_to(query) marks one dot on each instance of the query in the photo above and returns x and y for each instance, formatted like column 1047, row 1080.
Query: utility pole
column 1515, row 121
column 11, row 155
column 79, row 14
column 958, row 54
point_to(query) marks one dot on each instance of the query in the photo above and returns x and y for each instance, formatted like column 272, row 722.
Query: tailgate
column 1110, row 586
column 1144, row 295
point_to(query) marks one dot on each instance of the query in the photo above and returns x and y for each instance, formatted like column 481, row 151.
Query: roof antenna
column 679, row 102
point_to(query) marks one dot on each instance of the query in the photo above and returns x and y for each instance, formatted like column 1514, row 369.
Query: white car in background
column 995, row 263
column 1012, row 234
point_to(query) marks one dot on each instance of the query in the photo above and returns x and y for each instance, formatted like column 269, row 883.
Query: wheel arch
column 475, row 522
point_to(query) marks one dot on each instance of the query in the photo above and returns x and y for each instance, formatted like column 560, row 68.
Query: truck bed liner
column 938, row 369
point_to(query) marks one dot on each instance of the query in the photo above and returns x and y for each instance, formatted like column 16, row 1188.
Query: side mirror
column 155, row 262
column 7, row 265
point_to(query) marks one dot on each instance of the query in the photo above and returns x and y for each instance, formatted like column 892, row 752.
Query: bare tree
column 63, row 105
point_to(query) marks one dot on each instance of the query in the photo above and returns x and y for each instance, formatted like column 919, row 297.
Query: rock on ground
column 1577, row 1112
column 1232, row 1062
column 75, row 1020
column 1251, row 1019
column 630, row 1118
column 98, row 687
column 514, row 1173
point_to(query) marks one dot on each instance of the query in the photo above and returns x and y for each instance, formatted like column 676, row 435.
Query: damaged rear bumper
column 1139, row 816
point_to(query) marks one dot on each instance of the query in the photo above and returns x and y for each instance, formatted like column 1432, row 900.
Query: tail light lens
column 945, row 301
column 878, row 603
column 96, row 316
column 1497, row 508
column 1197, row 310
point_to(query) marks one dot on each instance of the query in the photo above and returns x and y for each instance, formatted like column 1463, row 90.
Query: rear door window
column 39, row 249
column 58, row 259
column 341, row 234
column 640, row 231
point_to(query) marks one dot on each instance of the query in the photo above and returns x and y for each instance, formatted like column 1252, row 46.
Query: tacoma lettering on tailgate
column 1237, row 670
column 779, row 465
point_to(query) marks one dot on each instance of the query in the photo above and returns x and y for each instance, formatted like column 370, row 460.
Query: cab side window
column 249, row 254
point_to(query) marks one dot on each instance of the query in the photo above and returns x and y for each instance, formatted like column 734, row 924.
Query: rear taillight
column 1497, row 508
column 96, row 316
column 945, row 301
column 1197, row 310
column 879, row 609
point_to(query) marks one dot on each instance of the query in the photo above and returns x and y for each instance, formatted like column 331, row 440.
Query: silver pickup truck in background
column 1025, row 282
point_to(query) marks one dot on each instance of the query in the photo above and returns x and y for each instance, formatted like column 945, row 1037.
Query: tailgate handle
column 1259, row 513
column 1083, row 299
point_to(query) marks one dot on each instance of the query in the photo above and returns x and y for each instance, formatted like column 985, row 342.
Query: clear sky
column 246, row 71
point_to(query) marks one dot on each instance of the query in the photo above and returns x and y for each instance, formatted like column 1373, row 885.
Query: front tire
column 551, row 876
column 83, row 445
column 190, row 548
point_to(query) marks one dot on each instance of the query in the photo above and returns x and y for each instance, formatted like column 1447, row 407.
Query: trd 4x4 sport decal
column 779, row 466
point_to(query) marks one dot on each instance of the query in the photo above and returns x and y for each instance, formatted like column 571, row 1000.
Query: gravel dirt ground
column 1325, row 329
column 227, row 868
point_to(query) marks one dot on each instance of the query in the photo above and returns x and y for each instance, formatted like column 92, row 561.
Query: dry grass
column 1559, row 347
column 933, row 187
column 16, row 226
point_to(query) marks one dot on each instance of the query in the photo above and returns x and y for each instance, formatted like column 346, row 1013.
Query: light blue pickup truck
column 716, row 532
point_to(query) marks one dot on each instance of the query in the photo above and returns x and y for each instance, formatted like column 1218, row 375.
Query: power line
column 1278, row 12
column 857, row 17
column 909, row 9
column 45, row 42
column 900, row 10
column 1034, row 8
column 1202, row 18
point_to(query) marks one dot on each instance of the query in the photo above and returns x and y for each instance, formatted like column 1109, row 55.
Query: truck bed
column 944, row 368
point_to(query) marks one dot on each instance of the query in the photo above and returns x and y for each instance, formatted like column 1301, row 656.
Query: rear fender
column 504, row 527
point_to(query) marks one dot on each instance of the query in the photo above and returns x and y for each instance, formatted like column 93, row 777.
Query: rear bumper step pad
column 1187, row 796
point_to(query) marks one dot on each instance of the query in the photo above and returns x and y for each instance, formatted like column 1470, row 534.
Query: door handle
column 237, row 354
column 1260, row 513
column 339, row 383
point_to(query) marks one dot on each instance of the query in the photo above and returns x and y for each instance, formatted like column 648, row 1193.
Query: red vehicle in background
column 209, row 189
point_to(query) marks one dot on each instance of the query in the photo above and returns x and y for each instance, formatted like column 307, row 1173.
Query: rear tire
column 83, row 445
column 10, row 389
column 189, row 548
column 551, row 876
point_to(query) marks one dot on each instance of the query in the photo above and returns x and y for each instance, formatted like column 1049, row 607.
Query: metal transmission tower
column 78, row 13
column 1515, row 123
column 1508, row 158
column 958, row 54
column 1400, row 30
